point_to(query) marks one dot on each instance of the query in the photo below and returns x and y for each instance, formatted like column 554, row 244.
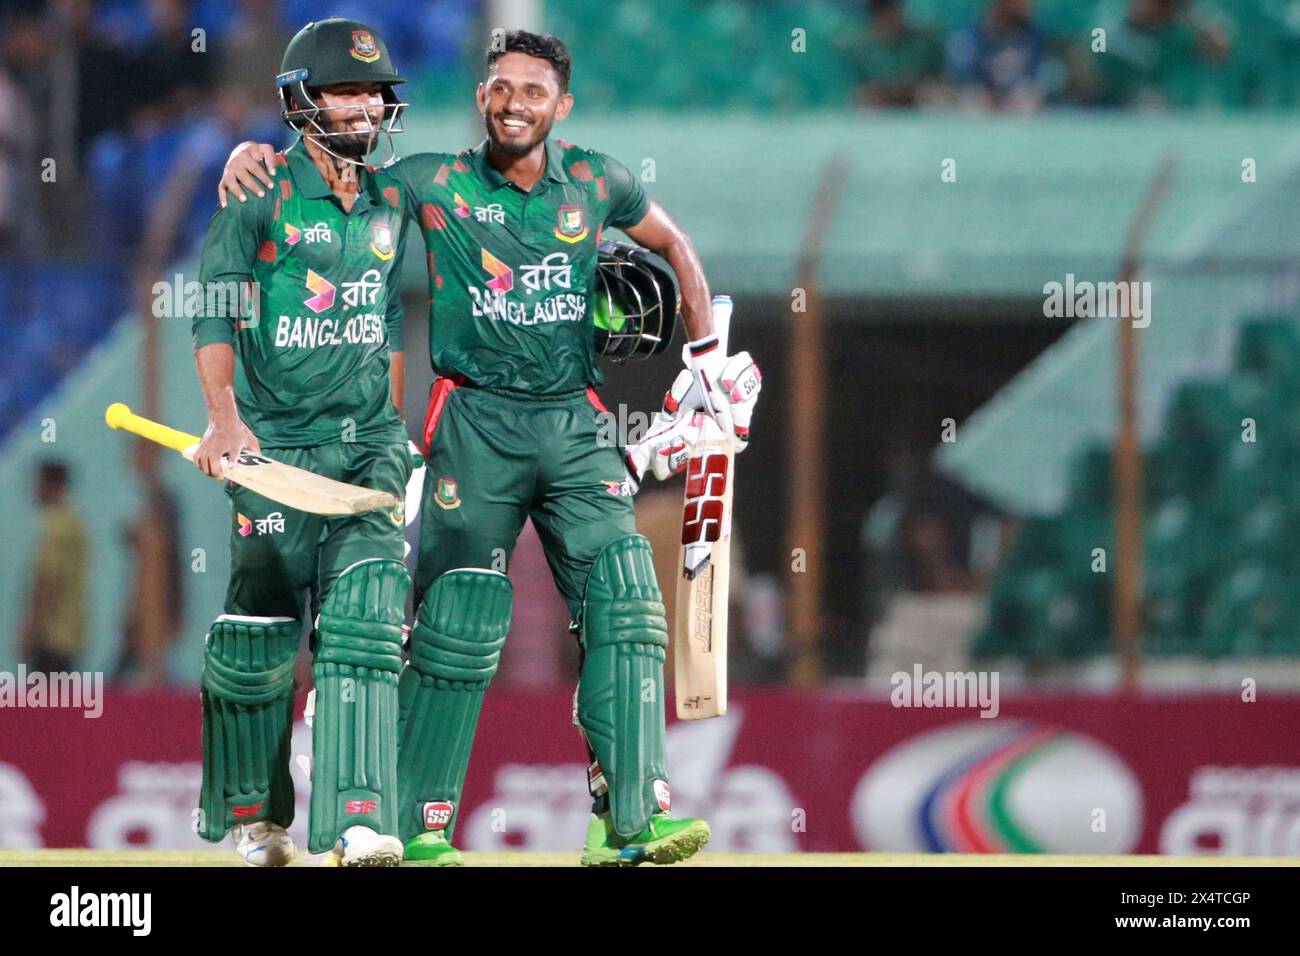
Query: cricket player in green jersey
column 312, row 373
column 512, row 432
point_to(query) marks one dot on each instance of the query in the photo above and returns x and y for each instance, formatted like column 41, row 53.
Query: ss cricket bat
column 290, row 486
column 700, row 622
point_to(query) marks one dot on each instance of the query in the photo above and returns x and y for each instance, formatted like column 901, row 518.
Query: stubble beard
column 516, row 150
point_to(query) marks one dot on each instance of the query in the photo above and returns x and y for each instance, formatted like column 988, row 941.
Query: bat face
column 252, row 458
column 700, row 623
column 284, row 484
column 704, row 515
column 304, row 490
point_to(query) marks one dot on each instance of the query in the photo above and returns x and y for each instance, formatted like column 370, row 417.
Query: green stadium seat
column 1253, row 612
column 1221, row 528
column 1269, row 348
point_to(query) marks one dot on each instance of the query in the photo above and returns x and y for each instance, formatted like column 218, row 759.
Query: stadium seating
column 736, row 55
column 1221, row 527
column 55, row 313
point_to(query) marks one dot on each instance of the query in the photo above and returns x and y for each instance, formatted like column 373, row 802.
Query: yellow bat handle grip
column 118, row 415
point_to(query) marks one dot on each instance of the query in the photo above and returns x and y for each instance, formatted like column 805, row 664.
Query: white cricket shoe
column 362, row 846
column 264, row 844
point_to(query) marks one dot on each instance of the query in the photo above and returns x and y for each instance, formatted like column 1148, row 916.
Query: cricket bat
column 290, row 486
column 700, row 622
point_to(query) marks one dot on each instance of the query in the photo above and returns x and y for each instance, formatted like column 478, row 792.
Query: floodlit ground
column 230, row 858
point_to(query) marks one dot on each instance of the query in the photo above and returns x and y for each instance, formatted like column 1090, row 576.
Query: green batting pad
column 621, row 688
column 354, row 734
column 462, row 623
column 247, row 693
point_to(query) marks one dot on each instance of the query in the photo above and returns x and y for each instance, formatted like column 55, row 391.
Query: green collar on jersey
column 478, row 161
column 312, row 185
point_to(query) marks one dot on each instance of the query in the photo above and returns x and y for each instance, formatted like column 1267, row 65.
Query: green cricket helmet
column 332, row 52
column 634, row 301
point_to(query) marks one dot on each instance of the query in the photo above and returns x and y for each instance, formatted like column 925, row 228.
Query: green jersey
column 510, row 271
column 312, row 360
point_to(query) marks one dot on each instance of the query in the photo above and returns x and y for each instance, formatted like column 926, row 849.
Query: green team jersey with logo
column 312, row 355
column 510, row 271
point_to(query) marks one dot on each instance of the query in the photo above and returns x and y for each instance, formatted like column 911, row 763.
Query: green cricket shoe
column 432, row 849
column 664, row 840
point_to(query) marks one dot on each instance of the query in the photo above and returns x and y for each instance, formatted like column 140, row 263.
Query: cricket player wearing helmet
column 309, row 374
column 512, row 229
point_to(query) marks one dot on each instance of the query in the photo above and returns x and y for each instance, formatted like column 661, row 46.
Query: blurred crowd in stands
column 137, row 101
column 116, row 117
column 1148, row 54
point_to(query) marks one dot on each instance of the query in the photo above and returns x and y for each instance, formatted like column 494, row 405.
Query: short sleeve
column 230, row 248
column 628, row 202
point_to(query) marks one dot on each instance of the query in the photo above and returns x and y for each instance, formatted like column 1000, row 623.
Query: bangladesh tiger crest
column 364, row 47
column 381, row 240
column 447, row 494
column 573, row 226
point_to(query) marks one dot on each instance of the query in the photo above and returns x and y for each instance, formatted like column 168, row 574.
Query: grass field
column 229, row 858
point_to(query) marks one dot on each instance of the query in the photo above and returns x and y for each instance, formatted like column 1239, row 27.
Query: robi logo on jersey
column 437, row 814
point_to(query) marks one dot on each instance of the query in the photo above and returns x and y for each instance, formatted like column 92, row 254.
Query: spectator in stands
column 23, row 47
column 15, row 158
column 85, row 81
column 53, row 635
column 1004, row 60
column 899, row 63
column 172, row 77
column 1153, row 58
column 251, row 51
column 79, row 84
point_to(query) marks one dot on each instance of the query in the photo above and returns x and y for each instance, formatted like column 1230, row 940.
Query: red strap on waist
column 438, row 395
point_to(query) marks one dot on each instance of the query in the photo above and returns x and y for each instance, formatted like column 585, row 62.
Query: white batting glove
column 725, row 387
column 741, row 381
column 706, row 361
column 668, row 444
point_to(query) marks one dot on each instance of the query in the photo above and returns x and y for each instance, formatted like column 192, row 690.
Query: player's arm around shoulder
column 424, row 182
column 250, row 171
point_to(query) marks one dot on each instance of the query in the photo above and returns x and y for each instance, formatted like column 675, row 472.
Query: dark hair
column 543, row 46
column 54, row 472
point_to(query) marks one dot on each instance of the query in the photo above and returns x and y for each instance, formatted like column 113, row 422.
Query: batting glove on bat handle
column 733, row 384
column 665, row 448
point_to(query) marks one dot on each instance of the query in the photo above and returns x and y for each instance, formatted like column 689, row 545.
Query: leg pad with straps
column 455, row 645
column 355, row 671
column 247, row 693
column 621, row 687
